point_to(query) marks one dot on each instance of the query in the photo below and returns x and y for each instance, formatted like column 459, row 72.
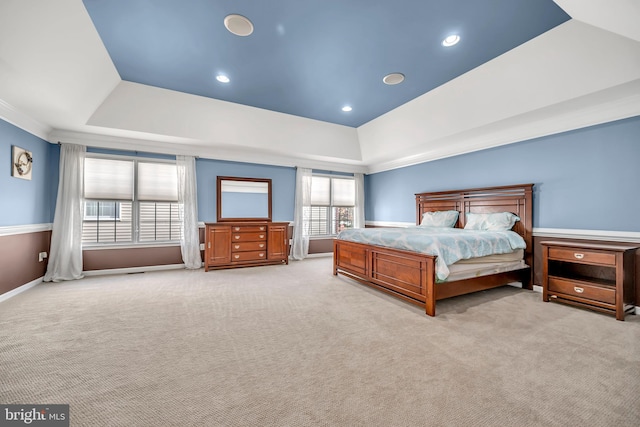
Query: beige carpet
column 295, row 346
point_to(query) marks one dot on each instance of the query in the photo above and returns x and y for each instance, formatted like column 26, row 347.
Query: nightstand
column 596, row 276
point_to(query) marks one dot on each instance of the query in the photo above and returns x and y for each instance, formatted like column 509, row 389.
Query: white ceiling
column 58, row 82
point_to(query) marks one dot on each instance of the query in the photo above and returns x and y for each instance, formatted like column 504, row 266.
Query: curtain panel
column 358, row 220
column 302, row 212
column 188, row 197
column 65, row 259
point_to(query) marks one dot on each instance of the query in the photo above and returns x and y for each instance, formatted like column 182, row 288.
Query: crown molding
column 571, row 115
column 17, row 118
column 181, row 146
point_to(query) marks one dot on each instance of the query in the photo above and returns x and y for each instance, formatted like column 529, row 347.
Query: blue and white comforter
column 448, row 244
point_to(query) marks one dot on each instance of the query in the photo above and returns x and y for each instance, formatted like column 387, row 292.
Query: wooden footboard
column 408, row 275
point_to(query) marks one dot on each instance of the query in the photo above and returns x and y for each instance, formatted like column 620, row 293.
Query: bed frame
column 411, row 276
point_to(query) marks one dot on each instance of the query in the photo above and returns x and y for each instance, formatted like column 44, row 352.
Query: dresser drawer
column 248, row 246
column 582, row 256
column 582, row 290
column 248, row 237
column 248, row 228
column 248, row 256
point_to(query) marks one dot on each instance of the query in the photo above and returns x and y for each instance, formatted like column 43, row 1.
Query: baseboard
column 389, row 224
column 20, row 289
column 320, row 255
column 130, row 270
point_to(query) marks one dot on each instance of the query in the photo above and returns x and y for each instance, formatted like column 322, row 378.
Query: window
column 332, row 205
column 94, row 210
column 130, row 201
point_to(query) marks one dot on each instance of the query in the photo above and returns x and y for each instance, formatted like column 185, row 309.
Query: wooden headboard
column 517, row 199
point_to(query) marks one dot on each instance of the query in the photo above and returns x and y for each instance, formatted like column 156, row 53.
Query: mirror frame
column 235, row 178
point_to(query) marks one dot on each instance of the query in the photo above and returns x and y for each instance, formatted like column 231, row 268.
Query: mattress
column 461, row 271
column 450, row 245
column 516, row 255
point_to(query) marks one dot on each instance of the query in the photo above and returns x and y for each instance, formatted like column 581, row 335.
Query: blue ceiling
column 311, row 57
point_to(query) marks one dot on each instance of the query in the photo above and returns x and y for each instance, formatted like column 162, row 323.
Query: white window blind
column 108, row 179
column 344, row 192
column 158, row 182
column 320, row 191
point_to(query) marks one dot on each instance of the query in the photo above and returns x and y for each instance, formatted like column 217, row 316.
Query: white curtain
column 302, row 213
column 188, row 197
column 65, row 259
column 358, row 220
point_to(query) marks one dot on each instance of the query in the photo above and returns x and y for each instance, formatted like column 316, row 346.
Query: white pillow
column 499, row 221
column 439, row 219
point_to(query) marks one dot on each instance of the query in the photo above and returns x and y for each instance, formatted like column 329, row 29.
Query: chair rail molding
column 24, row 229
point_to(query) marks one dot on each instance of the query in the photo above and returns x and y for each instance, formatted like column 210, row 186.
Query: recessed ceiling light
column 222, row 78
column 346, row 108
column 393, row 78
column 451, row 40
column 238, row 25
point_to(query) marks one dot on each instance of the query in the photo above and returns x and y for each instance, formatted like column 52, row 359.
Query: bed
column 412, row 276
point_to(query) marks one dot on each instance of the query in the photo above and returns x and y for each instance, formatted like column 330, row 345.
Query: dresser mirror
column 243, row 199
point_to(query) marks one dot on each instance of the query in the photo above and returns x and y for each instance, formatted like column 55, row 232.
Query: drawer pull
column 261, row 255
column 237, row 246
column 261, row 245
column 262, row 236
column 236, row 256
column 578, row 289
column 237, row 228
column 236, row 237
column 261, row 228
column 578, row 256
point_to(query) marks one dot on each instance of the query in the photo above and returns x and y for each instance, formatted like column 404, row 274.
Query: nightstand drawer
column 582, row 290
column 248, row 256
column 582, row 256
column 248, row 237
column 248, row 246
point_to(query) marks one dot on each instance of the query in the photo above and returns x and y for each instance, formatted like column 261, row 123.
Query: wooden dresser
column 590, row 275
column 245, row 244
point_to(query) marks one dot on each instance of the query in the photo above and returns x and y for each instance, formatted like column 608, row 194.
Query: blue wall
column 585, row 179
column 27, row 202
column 283, row 186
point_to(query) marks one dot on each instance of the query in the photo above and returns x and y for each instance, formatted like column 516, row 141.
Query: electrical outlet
column 42, row 256
column 202, row 246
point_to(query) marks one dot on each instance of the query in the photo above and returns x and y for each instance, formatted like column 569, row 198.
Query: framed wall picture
column 22, row 162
